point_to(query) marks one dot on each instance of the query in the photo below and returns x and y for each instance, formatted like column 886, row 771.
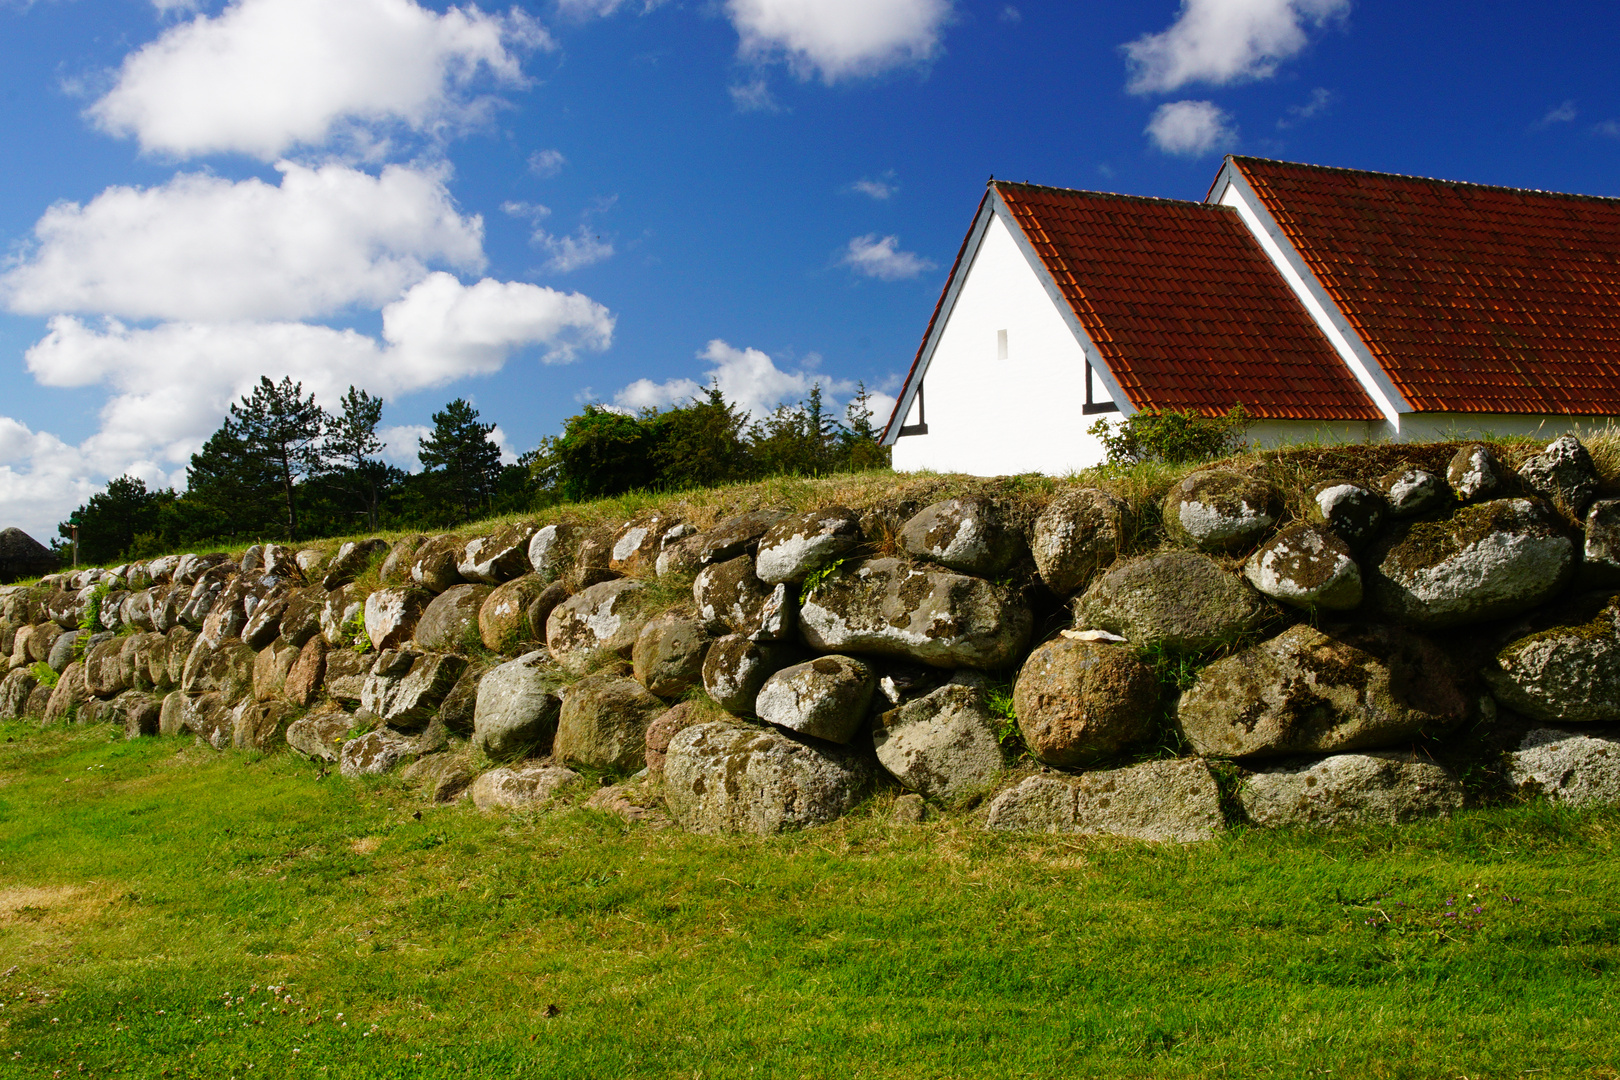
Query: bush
column 1172, row 437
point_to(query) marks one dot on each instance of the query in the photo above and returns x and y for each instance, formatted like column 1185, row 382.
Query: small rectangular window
column 1001, row 344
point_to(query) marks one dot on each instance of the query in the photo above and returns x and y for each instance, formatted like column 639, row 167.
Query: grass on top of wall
column 169, row 911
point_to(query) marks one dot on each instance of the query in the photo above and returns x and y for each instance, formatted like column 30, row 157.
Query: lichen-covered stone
column 826, row 698
column 434, row 564
column 302, row 618
column 551, row 550
column 882, row 607
column 392, row 614
column 320, row 734
column 603, row 723
column 499, row 557
column 1220, row 510
column 15, row 690
column 1474, row 473
column 1568, row 767
column 1080, row 533
column 264, row 625
column 503, row 620
column 182, row 640
column 798, row 546
column 408, row 701
column 1034, row 804
column 591, row 558
column 396, row 567
column 521, row 787
column 635, row 547
column 226, row 669
column 311, row 562
column 106, row 672
column 1157, row 801
column 442, row 777
column 1180, row 600
column 969, row 535
column 602, row 617
column 725, row 777
column 1410, row 491
column 346, row 674
column 1316, row 691
column 208, row 717
column 541, row 607
column 1563, row 473
column 1354, row 513
column 259, row 725
column 341, row 615
column 1600, row 565
column 352, row 560
column 664, row 729
column 668, row 655
column 171, row 715
column 450, row 622
column 731, row 594
column 1350, row 789
column 1308, row 567
column 518, row 706
column 942, row 745
column 1567, row 673
column 270, row 668
column 1078, row 701
column 375, row 753
column 306, row 674
column 735, row 667
column 734, row 536
column 1490, row 560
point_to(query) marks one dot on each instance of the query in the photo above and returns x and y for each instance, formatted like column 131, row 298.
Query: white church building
column 1334, row 304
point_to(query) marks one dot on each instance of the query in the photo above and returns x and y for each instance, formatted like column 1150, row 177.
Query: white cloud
column 569, row 253
column 201, row 248
column 1190, row 128
column 587, row 9
column 1320, row 99
column 753, row 96
column 170, row 7
column 264, row 76
column 881, row 189
column 402, row 445
column 880, row 257
column 750, row 380
column 1563, row 114
column 1225, row 41
column 1609, row 128
column 546, row 163
column 840, row 39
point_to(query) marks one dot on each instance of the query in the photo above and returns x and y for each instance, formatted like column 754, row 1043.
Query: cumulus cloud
column 402, row 444
column 1190, row 128
column 840, row 39
column 587, row 9
column 1225, row 41
column 264, row 76
column 569, row 253
column 201, row 248
column 750, row 379
column 880, row 257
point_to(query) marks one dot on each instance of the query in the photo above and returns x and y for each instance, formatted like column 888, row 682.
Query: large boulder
column 551, row 550
column 1354, row 513
column 435, row 564
column 668, row 655
column 1350, row 789
column 1409, row 491
column 1490, row 560
column 735, row 667
column 450, row 622
column 602, row 617
column 798, row 546
column 392, row 615
column 499, row 557
column 1569, row 673
column 1569, row 767
column 1080, row 533
column 306, row 674
column 208, row 717
column 1078, row 701
column 942, row 745
column 353, row 559
column 503, row 620
column 136, row 712
column 1316, row 691
column 106, row 671
column 884, row 608
column 66, row 648
column 256, row 725
column 739, row 535
column 826, row 698
column 1178, row 600
column 226, row 669
column 970, row 535
column 405, row 690
column 264, row 625
column 321, row 733
column 541, row 607
column 603, row 723
column 530, row 786
column 1563, row 473
column 635, row 547
column 729, row 593
column 375, row 753
column 518, row 706
column 724, row 777
column 1474, row 473
column 1157, row 801
column 1306, row 566
column 1220, row 510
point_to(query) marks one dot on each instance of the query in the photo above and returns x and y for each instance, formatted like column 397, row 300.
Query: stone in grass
column 1563, row 473
column 664, row 729
column 1219, row 510
column 530, row 786
column 668, row 655
column 1354, row 513
column 518, row 706
column 1306, row 566
column 137, row 712
column 260, row 725
column 826, row 698
column 1569, row 767
column 603, row 723
column 375, row 753
column 442, row 777
column 734, row 669
column 1077, row 701
column 1079, row 534
column 1179, row 600
column 1410, row 491
column 798, row 546
column 1171, row 801
column 396, row 567
column 942, row 745
column 727, row 777
column 1568, row 673
column 1383, row 787
column 970, row 535
column 909, row 809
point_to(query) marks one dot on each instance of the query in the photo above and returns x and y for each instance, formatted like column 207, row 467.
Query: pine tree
column 859, row 444
column 282, row 429
column 466, row 460
column 351, row 442
column 229, row 491
column 700, row 444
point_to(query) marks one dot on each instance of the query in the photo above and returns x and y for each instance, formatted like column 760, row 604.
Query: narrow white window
column 1001, row 344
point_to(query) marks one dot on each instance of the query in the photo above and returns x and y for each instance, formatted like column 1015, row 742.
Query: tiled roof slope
column 1185, row 306
column 1473, row 298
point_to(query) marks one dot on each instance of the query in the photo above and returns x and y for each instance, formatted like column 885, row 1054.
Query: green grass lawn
column 166, row 911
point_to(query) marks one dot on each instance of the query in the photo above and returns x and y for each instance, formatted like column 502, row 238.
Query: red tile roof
column 1185, row 307
column 1473, row 298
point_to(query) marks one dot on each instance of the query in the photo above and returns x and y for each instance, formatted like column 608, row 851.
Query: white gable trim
column 994, row 207
column 1232, row 188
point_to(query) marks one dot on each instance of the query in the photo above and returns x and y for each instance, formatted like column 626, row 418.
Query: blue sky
column 615, row 200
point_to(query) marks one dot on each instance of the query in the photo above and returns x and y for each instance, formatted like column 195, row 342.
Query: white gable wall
column 989, row 416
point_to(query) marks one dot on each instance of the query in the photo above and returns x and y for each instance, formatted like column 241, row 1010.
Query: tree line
column 281, row 467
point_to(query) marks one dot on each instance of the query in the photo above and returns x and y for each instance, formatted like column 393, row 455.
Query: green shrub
column 1173, row 437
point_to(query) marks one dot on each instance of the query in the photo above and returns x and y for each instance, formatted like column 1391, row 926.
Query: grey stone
column 346, row 674
column 729, row 593
column 1180, row 600
column 1080, row 533
column 499, row 557
column 302, row 618
column 942, row 745
column 969, row 535
column 1568, row 767
column 1034, row 804
column 1350, row 789
column 434, row 564
column 1220, row 510
column 1600, row 567
column 208, row 717
column 311, row 561
column 664, row 729
column 603, row 723
column 884, row 608
column 1474, row 473
column 15, row 690
column 735, row 667
column 1568, row 673
column 408, row 702
column 503, row 620
column 798, row 546
column 396, row 568
column 391, row 616
column 668, row 655
column 321, row 734
column 1490, row 560
column 375, row 753
column 450, row 622
column 1306, row 566
column 353, row 559
column 1354, row 513
column 601, row 617
column 342, row 614
column 826, row 698
column 724, row 777
column 909, row 809
column 1410, row 491
column 171, row 715
column 65, row 647
column 444, row 777
column 734, row 536
column 551, row 550
column 524, row 787
column 1564, row 473
column 1078, row 701
column 264, row 625
column 635, row 547
column 1157, row 801
column 226, row 669
column 517, row 707
column 1314, row 691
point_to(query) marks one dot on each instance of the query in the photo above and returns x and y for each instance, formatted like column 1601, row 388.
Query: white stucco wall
column 991, row 417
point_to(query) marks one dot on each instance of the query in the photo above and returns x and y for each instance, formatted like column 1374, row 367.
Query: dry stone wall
column 1038, row 669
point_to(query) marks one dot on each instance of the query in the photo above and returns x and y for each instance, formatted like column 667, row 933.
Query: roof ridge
column 1103, row 194
column 1425, row 179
